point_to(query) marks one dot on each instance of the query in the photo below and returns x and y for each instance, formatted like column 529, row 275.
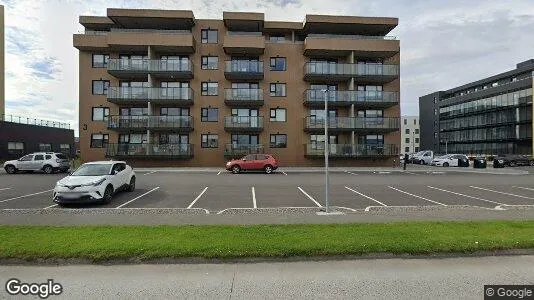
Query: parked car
column 451, row 160
column 95, row 182
column 48, row 162
column 512, row 160
column 251, row 162
column 423, row 157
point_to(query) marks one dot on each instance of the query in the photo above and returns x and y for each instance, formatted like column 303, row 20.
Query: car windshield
column 92, row 170
column 61, row 156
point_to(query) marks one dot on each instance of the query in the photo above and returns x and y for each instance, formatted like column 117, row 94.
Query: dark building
column 19, row 136
column 489, row 116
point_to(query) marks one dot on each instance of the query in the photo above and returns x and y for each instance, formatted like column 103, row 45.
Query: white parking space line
column 50, row 206
column 24, row 196
column 309, row 197
column 463, row 195
column 3, row 189
column 523, row 188
column 351, row 173
column 503, row 193
column 284, row 173
column 150, row 173
column 254, row 198
column 198, row 197
column 138, row 197
column 416, row 196
column 219, row 173
column 354, row 191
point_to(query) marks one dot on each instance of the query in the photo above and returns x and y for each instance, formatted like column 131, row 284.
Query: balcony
column 242, row 42
column 142, row 95
column 357, row 124
column 351, row 151
column 360, row 99
column 243, row 70
column 240, row 150
column 332, row 45
column 140, row 68
column 150, row 151
column 165, row 41
column 243, row 97
column 90, row 41
column 243, row 124
column 156, row 123
column 362, row 73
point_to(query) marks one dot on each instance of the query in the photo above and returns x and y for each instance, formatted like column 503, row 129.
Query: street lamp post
column 327, row 202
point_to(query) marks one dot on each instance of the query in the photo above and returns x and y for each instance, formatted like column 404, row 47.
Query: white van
column 423, row 157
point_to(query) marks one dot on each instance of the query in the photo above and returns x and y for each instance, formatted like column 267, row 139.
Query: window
column 100, row 87
column 27, row 158
column 416, row 131
column 38, row 157
column 100, row 60
column 278, row 115
column 64, row 148
column 416, row 149
column 278, row 141
column 414, row 122
column 277, row 38
column 407, row 141
column 209, row 36
column 210, row 88
column 278, row 63
column 416, row 140
column 209, row 62
column 210, row 141
column 407, row 131
column 99, row 140
column 278, row 90
column 100, row 113
column 15, row 148
column 407, row 149
column 47, row 157
column 45, row 147
column 405, row 122
column 209, row 115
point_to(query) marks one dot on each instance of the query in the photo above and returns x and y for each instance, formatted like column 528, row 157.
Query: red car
column 263, row 162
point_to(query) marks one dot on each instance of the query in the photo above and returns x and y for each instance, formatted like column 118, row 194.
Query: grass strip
column 100, row 243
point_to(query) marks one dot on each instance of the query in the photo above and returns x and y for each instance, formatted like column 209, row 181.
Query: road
column 443, row 278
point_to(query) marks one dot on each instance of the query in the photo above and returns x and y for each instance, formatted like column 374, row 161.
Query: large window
column 99, row 140
column 209, row 141
column 407, row 149
column 407, row 131
column 100, row 87
column 278, row 90
column 45, row 147
column 277, row 38
column 209, row 36
column 278, row 63
column 278, row 115
column 209, row 115
column 416, row 131
column 278, row 141
column 100, row 113
column 100, row 60
column 209, row 62
column 210, row 89
column 15, row 148
column 371, row 139
column 64, row 148
column 407, row 141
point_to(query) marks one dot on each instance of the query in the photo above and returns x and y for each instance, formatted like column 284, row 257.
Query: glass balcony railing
column 244, row 66
column 350, row 97
column 238, row 150
column 341, row 69
column 149, row 150
column 150, row 122
column 243, row 123
column 351, row 36
column 353, row 123
column 351, row 150
column 149, row 65
column 243, row 94
column 125, row 94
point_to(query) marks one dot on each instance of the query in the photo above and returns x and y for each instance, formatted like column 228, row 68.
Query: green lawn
column 99, row 243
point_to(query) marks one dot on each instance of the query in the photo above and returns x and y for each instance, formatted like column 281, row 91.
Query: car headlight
column 94, row 183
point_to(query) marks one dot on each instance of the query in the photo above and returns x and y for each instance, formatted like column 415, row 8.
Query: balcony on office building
column 239, row 97
column 361, row 99
column 236, row 150
column 142, row 95
column 243, row 124
column 247, row 70
column 150, row 151
column 348, row 151
column 159, row 68
column 154, row 123
column 338, row 72
column 362, row 125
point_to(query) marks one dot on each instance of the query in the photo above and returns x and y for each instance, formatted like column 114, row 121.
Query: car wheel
column 421, row 162
column 131, row 186
column 532, row 163
column 236, row 169
column 268, row 169
column 11, row 169
column 48, row 169
column 64, row 170
column 445, row 164
column 108, row 194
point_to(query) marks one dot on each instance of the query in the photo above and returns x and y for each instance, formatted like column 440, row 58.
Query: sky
column 442, row 46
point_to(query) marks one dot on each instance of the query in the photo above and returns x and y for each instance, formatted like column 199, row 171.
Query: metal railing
column 242, row 149
column 243, row 94
column 33, row 121
column 351, row 36
column 244, row 122
column 243, row 66
column 317, row 96
column 150, row 65
column 149, row 150
column 142, row 122
column 146, row 93
column 352, row 150
column 325, row 68
column 313, row 122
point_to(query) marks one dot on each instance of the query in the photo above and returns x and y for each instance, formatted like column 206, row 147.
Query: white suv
column 48, row 162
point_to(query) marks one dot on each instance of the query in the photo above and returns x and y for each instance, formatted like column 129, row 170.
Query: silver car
column 48, row 162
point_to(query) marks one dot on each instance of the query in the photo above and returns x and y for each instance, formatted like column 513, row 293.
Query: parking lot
column 220, row 192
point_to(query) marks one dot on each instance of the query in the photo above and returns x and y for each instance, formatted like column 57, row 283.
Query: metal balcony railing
column 353, row 123
column 350, row 97
column 237, row 150
column 149, row 150
column 33, row 121
column 325, row 68
column 150, row 65
column 351, row 150
column 149, row 122
column 243, row 122
column 148, row 94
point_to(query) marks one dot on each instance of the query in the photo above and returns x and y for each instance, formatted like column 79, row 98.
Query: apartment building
column 410, row 134
column 489, row 116
column 161, row 88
